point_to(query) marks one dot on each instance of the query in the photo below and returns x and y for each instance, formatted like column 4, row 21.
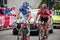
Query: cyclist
column 44, row 16
column 26, row 11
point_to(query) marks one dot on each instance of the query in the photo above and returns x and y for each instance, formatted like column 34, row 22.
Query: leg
column 40, row 21
column 39, row 24
column 40, row 34
column 46, row 28
column 28, row 26
column 28, row 35
column 19, row 33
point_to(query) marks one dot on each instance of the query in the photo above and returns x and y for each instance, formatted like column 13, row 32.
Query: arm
column 36, row 18
column 48, row 15
column 29, row 16
column 51, row 10
column 17, row 14
column 48, row 18
column 29, row 13
column 38, row 13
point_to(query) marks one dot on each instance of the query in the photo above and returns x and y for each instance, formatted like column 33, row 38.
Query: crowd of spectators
column 4, row 9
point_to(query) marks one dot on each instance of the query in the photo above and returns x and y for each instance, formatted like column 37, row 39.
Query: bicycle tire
column 18, row 37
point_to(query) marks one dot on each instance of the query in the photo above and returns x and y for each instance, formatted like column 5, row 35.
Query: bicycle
column 24, row 36
column 23, row 31
column 42, row 32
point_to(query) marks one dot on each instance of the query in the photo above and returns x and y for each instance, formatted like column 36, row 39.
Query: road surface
column 7, row 35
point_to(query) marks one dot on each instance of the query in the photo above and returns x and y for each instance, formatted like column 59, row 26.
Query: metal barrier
column 7, row 21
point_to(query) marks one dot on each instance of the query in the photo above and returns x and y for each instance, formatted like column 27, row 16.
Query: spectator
column 2, row 9
column 51, row 4
column 12, row 11
column 7, row 10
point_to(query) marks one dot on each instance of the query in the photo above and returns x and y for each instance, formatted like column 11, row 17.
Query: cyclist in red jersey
column 44, row 16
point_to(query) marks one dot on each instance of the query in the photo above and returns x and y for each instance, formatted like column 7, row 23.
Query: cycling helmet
column 43, row 6
column 25, row 4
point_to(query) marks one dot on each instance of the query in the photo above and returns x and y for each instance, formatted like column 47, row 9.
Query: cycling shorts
column 43, row 19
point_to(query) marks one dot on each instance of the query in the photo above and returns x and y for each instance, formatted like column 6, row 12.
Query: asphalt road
column 7, row 35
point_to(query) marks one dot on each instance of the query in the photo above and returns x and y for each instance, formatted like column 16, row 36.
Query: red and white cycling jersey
column 45, row 14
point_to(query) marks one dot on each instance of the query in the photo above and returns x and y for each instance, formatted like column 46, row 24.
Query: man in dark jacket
column 2, row 9
column 51, row 4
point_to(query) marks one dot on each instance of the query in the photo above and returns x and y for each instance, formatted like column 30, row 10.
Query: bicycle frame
column 42, row 32
column 23, row 37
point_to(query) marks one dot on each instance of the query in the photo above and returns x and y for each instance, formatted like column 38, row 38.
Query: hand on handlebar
column 48, row 21
column 15, row 20
column 34, row 23
column 28, row 22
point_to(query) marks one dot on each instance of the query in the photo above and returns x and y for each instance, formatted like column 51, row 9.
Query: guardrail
column 7, row 21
